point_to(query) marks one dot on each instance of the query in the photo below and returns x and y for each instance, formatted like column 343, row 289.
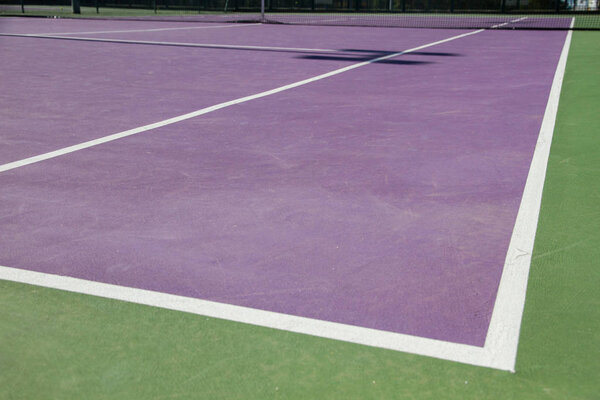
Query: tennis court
column 335, row 192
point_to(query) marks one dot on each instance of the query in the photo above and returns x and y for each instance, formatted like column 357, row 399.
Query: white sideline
column 500, row 348
column 193, row 114
column 503, row 333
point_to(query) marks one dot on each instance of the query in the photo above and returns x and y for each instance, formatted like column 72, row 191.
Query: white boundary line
column 143, row 30
column 501, row 343
column 326, row 329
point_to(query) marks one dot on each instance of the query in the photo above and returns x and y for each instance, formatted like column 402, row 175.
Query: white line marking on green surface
column 501, row 343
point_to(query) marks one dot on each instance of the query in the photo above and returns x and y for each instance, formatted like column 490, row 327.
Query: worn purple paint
column 383, row 197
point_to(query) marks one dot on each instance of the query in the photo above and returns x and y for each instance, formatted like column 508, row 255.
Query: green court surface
column 59, row 345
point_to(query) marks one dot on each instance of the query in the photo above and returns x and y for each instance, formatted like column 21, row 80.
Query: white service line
column 142, row 30
column 193, row 114
column 509, row 22
column 178, row 44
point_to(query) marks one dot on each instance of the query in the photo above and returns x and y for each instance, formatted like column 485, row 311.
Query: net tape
column 476, row 14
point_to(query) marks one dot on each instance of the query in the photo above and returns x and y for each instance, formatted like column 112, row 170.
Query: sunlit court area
column 313, row 199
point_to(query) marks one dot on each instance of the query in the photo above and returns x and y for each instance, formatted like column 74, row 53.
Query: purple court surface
column 382, row 197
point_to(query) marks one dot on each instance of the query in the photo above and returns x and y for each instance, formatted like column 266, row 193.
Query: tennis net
column 468, row 14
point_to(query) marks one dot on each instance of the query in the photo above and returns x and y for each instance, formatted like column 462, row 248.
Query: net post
column 23, row 6
column 76, row 5
column 262, row 11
